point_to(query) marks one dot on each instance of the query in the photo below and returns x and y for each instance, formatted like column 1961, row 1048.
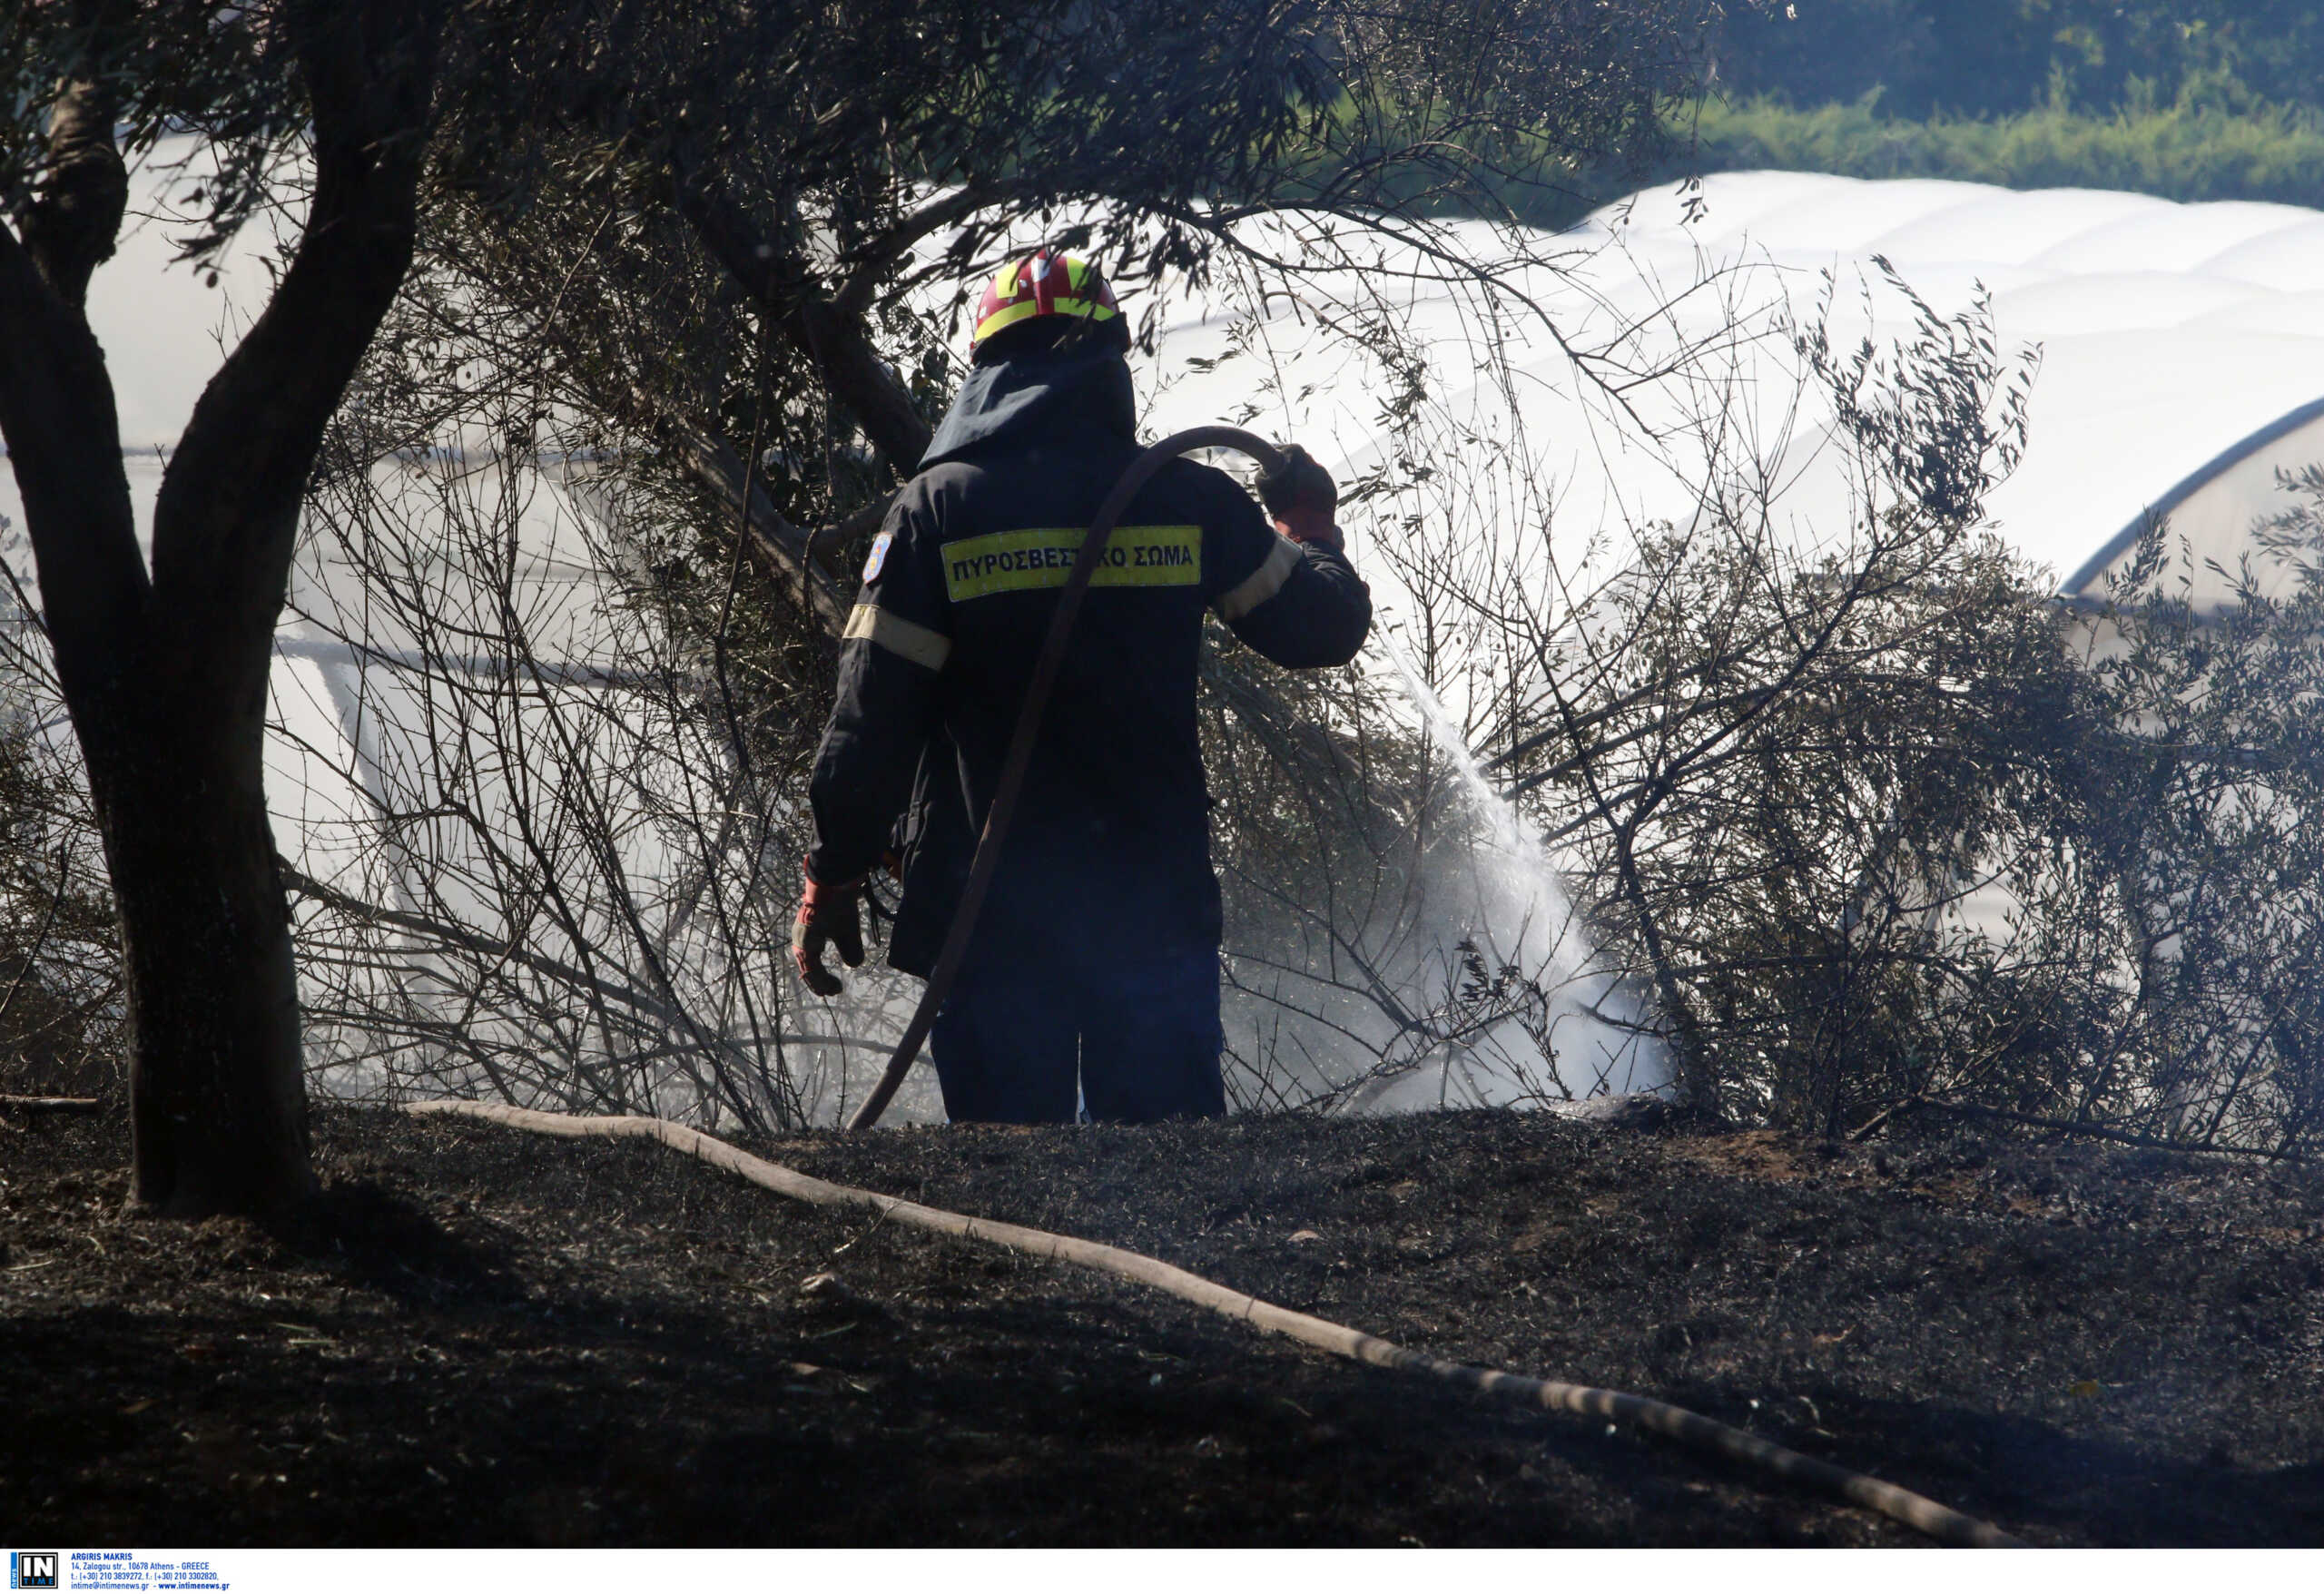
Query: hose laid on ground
column 1675, row 1423
column 52, row 1104
column 1029, row 726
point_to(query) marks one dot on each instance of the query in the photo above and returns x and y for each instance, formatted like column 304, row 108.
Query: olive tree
column 162, row 656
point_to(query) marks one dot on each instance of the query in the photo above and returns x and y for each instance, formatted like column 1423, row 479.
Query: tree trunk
column 218, row 1104
column 217, row 1096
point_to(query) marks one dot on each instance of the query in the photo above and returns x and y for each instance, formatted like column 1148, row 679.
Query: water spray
column 1524, row 870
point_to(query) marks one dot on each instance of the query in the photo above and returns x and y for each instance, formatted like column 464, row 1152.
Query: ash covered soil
column 482, row 1336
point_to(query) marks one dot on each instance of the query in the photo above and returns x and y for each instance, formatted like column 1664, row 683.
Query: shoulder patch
column 880, row 545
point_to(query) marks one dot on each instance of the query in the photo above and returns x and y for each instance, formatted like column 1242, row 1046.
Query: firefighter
column 1095, row 964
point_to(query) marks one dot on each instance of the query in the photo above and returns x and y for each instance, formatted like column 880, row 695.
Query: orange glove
column 828, row 915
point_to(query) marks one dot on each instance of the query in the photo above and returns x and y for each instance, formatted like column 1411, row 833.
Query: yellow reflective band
column 1008, row 315
column 869, row 623
column 1263, row 583
column 1026, row 561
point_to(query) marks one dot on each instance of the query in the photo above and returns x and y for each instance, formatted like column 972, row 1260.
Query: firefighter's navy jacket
column 1108, row 856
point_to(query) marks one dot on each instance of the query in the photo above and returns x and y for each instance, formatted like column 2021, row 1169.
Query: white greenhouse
column 2177, row 345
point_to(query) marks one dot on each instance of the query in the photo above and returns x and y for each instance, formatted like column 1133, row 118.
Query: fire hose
column 1028, row 729
column 1689, row 1429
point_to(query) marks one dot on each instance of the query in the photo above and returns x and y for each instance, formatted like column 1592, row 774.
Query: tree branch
column 57, row 414
column 834, row 339
column 780, row 544
column 227, row 517
column 492, row 951
column 871, row 264
column 70, row 229
column 2068, row 1126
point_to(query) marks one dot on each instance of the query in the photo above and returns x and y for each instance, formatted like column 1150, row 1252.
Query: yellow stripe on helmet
column 1008, row 315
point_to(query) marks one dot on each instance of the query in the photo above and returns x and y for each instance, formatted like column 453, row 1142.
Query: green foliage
column 1999, row 57
column 2186, row 151
column 1779, row 767
column 2214, row 100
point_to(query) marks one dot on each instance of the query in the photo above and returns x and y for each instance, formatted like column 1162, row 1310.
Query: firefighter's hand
column 828, row 915
column 1297, row 483
column 1301, row 498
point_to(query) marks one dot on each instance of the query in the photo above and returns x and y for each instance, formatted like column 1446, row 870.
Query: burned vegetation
column 481, row 1337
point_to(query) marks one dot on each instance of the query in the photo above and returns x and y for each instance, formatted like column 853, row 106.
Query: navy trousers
column 1142, row 1041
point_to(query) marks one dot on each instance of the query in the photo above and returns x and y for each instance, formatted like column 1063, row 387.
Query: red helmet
column 1047, row 282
